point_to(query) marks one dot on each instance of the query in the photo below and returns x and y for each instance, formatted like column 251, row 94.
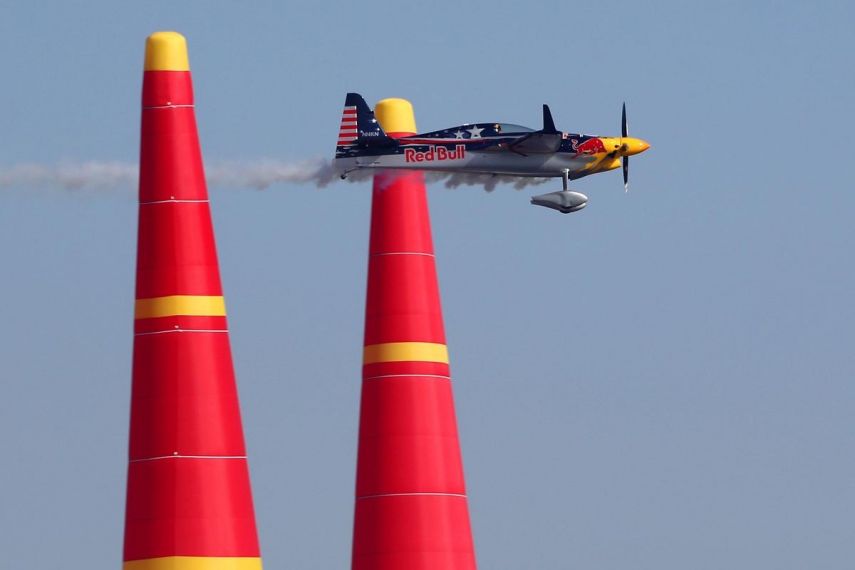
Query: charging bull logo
column 435, row 153
column 590, row 146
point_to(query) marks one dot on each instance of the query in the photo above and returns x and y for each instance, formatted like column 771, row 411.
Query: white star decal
column 475, row 132
column 458, row 134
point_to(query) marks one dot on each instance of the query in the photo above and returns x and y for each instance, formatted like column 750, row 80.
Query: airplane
column 486, row 148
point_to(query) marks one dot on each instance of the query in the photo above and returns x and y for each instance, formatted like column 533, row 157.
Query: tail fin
column 359, row 128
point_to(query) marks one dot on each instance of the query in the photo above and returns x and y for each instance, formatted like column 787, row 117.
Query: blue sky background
column 662, row 381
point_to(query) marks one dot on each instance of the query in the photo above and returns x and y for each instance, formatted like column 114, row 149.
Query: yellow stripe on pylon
column 190, row 305
column 405, row 352
column 194, row 563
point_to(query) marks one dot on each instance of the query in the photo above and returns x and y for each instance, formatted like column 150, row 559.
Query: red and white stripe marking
column 348, row 132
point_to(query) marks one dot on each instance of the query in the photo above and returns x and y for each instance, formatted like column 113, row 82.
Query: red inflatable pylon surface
column 189, row 505
column 411, row 507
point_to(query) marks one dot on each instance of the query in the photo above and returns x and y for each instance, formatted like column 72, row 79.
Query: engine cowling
column 565, row 201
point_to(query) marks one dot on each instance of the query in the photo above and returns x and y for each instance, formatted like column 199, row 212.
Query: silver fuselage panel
column 467, row 161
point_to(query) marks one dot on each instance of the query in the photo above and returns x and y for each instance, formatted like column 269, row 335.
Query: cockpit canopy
column 512, row 128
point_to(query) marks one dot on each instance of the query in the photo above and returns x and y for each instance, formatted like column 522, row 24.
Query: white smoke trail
column 262, row 174
column 486, row 181
column 255, row 174
column 70, row 176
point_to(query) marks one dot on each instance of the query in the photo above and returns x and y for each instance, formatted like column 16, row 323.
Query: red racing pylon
column 189, row 505
column 411, row 509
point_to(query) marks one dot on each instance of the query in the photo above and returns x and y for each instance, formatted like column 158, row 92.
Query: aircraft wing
column 546, row 140
column 536, row 142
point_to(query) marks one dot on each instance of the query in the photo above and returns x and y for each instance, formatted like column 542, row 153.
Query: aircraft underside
column 445, row 160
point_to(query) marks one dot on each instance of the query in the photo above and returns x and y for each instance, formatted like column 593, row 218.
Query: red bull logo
column 590, row 146
column 434, row 153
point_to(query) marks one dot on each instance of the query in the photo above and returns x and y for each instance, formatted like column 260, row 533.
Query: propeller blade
column 624, row 131
column 626, row 174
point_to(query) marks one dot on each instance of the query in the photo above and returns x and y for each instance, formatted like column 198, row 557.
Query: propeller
column 624, row 132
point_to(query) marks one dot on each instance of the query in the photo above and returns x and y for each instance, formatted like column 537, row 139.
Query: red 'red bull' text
column 435, row 153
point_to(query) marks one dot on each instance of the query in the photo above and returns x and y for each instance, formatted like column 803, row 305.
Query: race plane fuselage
column 479, row 148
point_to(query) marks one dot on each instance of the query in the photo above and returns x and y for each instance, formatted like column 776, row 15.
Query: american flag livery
column 348, row 131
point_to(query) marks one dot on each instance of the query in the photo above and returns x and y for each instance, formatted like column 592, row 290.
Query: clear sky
column 665, row 380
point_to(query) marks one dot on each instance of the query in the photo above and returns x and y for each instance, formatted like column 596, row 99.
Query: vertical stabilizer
column 359, row 127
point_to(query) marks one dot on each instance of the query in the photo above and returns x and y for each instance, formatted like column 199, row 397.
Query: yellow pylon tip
column 166, row 51
column 396, row 115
